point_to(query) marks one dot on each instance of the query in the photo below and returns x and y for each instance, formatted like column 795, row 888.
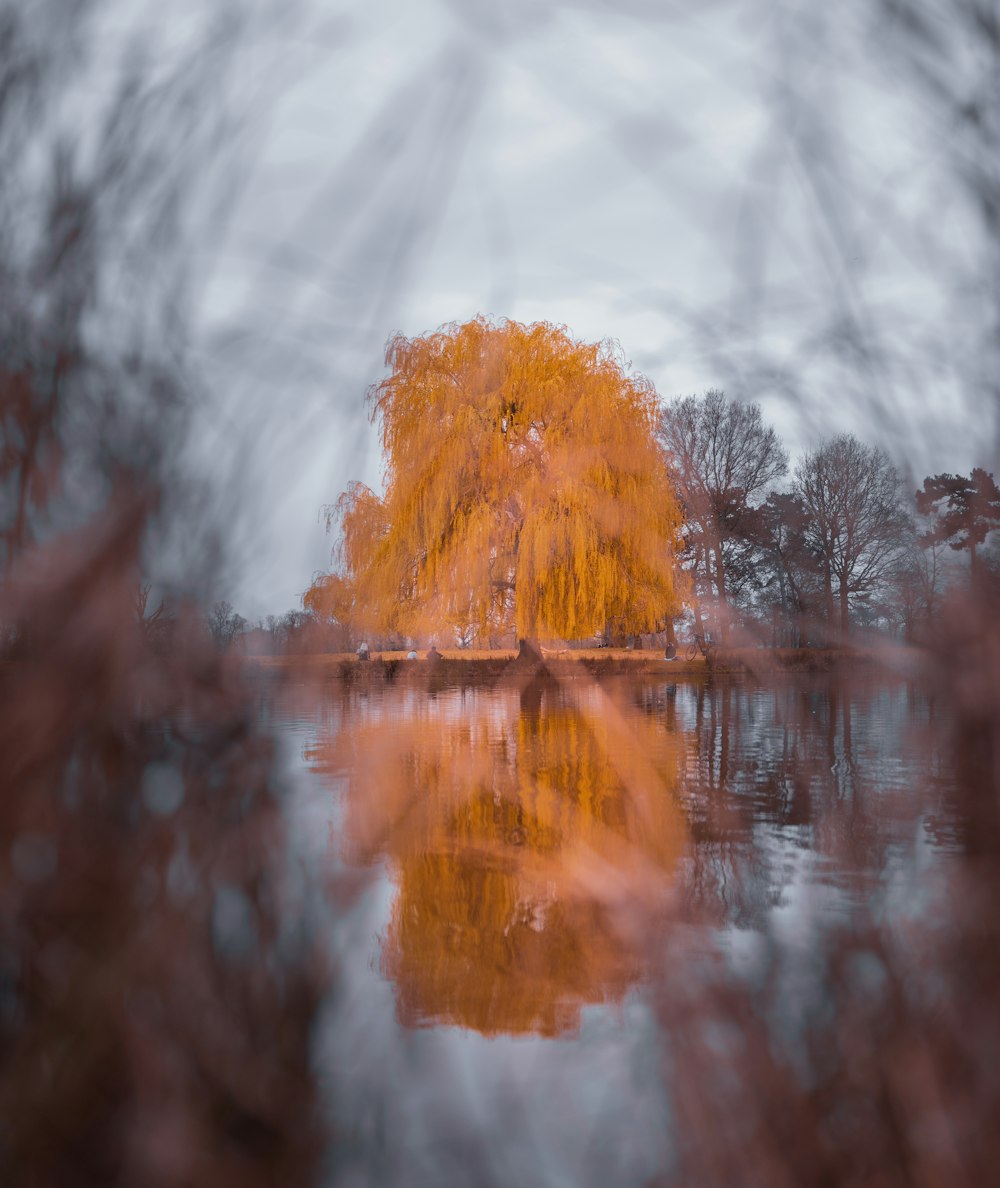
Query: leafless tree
column 857, row 526
column 918, row 586
column 224, row 623
column 725, row 458
column 154, row 623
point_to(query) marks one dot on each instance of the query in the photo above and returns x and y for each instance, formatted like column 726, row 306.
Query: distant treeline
column 844, row 544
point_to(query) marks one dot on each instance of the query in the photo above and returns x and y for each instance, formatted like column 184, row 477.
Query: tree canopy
column 856, row 526
column 724, row 458
column 964, row 509
column 524, row 489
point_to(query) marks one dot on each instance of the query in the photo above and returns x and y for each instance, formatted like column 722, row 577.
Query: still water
column 500, row 855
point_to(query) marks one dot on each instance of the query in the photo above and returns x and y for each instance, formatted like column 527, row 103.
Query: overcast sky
column 751, row 197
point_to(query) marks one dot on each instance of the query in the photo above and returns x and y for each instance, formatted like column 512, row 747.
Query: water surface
column 515, row 844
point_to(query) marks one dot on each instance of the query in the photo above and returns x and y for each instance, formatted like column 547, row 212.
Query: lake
column 507, row 863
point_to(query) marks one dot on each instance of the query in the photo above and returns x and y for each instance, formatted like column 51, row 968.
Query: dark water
column 506, row 849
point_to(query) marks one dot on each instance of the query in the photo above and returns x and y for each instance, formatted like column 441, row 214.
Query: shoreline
column 456, row 662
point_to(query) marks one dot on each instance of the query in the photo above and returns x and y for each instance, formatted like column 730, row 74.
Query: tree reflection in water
column 522, row 824
column 803, row 770
column 533, row 832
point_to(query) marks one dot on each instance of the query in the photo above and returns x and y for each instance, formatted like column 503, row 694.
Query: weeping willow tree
column 524, row 490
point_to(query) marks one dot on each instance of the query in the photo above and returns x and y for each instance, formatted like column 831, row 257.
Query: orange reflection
column 523, row 826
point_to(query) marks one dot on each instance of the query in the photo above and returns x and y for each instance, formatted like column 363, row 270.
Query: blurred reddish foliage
column 871, row 1054
column 158, row 982
column 158, row 975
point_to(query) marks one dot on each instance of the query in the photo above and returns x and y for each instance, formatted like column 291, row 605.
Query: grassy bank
column 595, row 661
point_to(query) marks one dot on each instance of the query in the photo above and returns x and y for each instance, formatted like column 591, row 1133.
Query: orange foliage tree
column 524, row 490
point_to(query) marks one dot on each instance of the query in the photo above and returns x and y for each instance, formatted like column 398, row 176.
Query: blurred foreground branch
column 158, row 973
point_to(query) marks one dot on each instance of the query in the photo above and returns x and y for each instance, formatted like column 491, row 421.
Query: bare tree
column 919, row 584
column 785, row 564
column 724, row 459
column 857, row 525
column 155, row 624
column 224, row 623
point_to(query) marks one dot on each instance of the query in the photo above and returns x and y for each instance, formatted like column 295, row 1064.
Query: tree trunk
column 528, row 652
column 784, row 603
column 699, row 622
column 720, row 585
column 828, row 588
column 845, row 610
column 795, row 609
